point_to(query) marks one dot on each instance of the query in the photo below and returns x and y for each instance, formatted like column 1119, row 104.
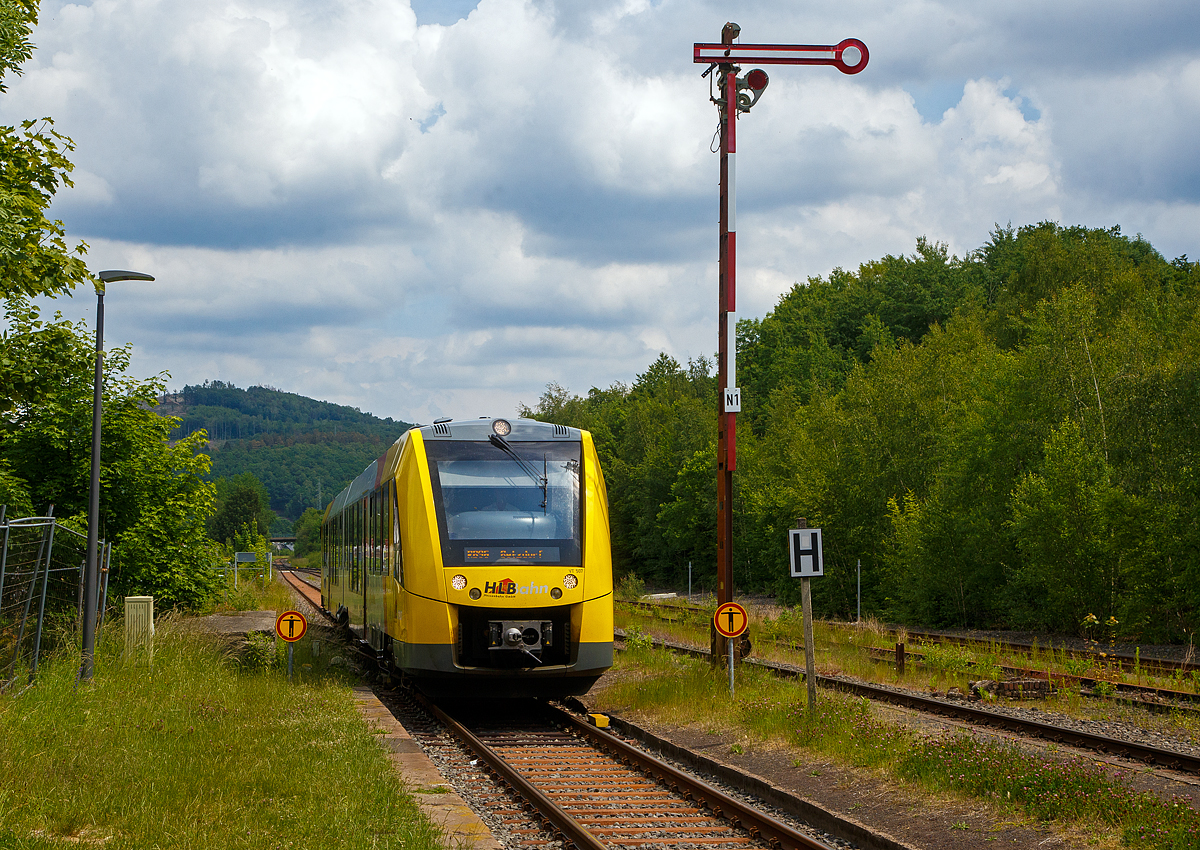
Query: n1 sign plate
column 804, row 547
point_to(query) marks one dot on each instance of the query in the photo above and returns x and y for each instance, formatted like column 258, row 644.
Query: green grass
column 254, row 592
column 200, row 750
column 1073, row 792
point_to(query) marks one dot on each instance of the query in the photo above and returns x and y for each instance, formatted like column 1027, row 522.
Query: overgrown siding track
column 1144, row 753
column 1139, row 694
column 564, row 781
column 1158, row 700
column 1124, row 660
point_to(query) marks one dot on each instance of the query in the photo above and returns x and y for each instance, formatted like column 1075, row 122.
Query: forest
column 1005, row 439
column 302, row 451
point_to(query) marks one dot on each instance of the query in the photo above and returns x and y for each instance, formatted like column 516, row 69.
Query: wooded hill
column 1004, row 439
column 303, row 451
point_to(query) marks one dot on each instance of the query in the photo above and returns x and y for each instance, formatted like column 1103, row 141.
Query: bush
column 631, row 588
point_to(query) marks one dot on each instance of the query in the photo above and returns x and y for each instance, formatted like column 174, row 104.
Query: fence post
column 79, row 604
column 107, row 562
column 4, row 551
column 28, row 604
column 37, row 641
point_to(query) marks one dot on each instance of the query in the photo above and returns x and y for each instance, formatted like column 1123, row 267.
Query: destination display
column 518, row 554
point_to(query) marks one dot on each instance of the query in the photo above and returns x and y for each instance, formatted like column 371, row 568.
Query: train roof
column 521, row 430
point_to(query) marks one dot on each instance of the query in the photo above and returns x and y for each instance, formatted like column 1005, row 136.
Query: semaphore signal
column 736, row 95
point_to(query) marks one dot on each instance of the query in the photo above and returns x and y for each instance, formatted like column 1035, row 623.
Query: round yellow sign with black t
column 730, row 619
column 291, row 626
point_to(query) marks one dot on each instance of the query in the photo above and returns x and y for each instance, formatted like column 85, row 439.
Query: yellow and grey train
column 474, row 558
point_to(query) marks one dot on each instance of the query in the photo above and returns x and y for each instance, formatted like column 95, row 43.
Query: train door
column 375, row 601
column 390, row 519
column 339, row 562
column 331, row 589
column 396, row 625
column 352, row 583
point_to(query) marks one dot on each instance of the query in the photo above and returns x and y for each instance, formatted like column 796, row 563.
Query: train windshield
column 497, row 508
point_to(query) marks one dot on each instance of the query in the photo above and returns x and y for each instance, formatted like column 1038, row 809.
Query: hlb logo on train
column 508, row 587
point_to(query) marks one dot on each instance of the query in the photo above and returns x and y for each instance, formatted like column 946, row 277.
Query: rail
column 959, row 711
column 689, row 789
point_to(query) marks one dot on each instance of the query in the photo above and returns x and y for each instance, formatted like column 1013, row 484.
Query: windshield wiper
column 525, row 466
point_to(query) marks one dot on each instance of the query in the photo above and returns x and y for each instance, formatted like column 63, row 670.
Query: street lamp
column 91, row 573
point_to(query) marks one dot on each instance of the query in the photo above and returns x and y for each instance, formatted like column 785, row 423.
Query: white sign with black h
column 804, row 546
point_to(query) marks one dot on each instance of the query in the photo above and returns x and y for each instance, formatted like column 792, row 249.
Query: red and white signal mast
column 739, row 94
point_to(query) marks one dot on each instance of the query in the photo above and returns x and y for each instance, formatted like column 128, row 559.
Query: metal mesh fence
column 41, row 591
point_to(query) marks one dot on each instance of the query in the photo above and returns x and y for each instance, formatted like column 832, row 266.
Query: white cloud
column 422, row 219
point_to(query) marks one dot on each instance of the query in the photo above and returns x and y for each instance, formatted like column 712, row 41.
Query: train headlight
column 458, row 582
column 501, row 428
column 474, row 594
column 556, row 593
column 569, row 581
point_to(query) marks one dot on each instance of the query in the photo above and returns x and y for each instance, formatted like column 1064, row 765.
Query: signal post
column 735, row 95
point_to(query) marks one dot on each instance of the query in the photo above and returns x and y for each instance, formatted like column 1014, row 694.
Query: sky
column 438, row 207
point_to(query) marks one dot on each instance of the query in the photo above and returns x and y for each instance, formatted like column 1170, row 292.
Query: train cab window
column 495, row 508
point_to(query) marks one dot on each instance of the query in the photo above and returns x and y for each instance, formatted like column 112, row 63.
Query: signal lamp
column 751, row 88
column 569, row 581
column 556, row 593
column 474, row 594
column 458, row 582
column 501, row 428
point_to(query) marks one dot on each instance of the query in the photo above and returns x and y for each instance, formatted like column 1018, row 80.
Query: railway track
column 1149, row 697
column 1144, row 753
column 563, row 781
column 590, row 788
column 1134, row 693
column 958, row 710
column 311, row 594
column 1124, row 660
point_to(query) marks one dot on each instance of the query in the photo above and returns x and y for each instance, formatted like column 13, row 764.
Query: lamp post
column 91, row 572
